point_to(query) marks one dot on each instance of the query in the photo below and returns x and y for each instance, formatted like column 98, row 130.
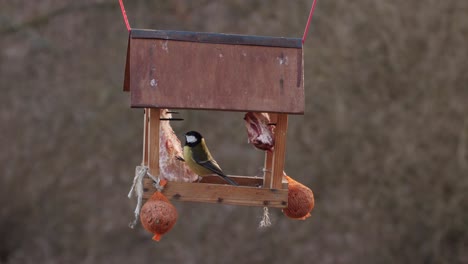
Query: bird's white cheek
column 191, row 139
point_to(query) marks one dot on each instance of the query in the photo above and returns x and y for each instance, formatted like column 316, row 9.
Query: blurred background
column 383, row 143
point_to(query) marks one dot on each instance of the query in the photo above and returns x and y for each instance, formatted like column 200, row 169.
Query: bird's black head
column 192, row 138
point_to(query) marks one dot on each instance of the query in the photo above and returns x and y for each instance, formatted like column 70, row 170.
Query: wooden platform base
column 213, row 189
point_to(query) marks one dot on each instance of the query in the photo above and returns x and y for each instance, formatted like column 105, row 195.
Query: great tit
column 199, row 159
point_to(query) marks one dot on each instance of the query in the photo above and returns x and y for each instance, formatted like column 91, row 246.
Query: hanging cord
column 124, row 14
column 127, row 24
column 308, row 22
column 137, row 188
column 265, row 219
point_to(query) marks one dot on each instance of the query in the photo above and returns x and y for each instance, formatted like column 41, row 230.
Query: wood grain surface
column 192, row 75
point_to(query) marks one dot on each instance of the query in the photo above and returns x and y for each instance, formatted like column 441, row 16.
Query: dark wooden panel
column 126, row 86
column 217, row 38
column 191, row 75
column 241, row 180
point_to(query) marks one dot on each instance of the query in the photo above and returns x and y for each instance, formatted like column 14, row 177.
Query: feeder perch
column 220, row 72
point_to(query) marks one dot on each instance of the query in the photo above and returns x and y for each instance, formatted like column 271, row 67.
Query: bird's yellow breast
column 199, row 170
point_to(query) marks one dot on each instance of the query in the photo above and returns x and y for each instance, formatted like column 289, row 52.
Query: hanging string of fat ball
column 137, row 189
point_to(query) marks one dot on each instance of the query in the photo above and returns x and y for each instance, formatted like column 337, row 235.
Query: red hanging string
column 124, row 14
column 308, row 22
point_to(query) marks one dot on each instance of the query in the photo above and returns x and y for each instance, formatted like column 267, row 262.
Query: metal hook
column 171, row 119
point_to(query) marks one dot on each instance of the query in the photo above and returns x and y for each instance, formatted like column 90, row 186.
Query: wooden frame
column 192, row 70
column 271, row 191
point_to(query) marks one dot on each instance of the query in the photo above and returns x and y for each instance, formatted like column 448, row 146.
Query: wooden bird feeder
column 220, row 72
column 191, row 70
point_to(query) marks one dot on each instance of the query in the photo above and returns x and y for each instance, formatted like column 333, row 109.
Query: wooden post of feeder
column 144, row 161
column 268, row 168
column 280, row 150
column 153, row 141
column 274, row 160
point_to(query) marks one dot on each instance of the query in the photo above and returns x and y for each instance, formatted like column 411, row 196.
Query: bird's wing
column 204, row 159
column 202, row 156
column 214, row 167
column 211, row 165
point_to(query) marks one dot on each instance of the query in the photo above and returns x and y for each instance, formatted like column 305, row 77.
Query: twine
column 265, row 219
column 137, row 188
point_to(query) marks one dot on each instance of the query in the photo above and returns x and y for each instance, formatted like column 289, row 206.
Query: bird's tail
column 229, row 180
